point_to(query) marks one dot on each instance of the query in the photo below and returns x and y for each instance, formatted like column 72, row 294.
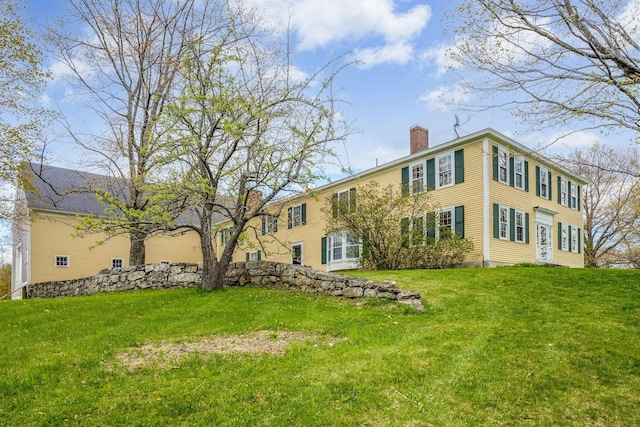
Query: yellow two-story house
column 514, row 205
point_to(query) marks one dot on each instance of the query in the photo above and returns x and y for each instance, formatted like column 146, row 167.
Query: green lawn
column 507, row 346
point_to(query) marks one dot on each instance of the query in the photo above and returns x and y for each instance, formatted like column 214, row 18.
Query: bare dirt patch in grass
column 261, row 342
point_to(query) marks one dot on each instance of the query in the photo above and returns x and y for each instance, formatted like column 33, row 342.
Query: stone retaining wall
column 254, row 273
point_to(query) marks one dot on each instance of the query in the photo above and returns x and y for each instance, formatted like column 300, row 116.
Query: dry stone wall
column 252, row 273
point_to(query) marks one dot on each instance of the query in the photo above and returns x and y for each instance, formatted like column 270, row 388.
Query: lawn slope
column 506, row 346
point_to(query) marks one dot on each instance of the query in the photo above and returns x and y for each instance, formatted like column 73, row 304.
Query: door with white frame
column 297, row 253
column 544, row 243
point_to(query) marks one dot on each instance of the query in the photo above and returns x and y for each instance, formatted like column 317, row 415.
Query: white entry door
column 544, row 243
column 297, row 254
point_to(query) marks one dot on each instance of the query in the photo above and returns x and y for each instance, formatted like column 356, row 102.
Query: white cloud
column 389, row 33
column 439, row 57
column 445, row 98
column 399, row 53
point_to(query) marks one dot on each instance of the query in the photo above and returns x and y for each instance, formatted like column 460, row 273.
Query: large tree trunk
column 137, row 249
column 214, row 270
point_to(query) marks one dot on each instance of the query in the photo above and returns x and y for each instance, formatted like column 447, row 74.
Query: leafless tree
column 611, row 200
column 123, row 58
column 557, row 61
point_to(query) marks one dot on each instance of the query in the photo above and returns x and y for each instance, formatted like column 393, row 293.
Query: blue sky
column 399, row 82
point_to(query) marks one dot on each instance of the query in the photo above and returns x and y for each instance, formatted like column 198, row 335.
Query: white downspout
column 486, row 225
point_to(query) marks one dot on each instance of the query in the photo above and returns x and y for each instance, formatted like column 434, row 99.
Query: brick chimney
column 419, row 138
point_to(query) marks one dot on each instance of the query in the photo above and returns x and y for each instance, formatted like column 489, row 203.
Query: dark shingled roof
column 72, row 191
column 67, row 190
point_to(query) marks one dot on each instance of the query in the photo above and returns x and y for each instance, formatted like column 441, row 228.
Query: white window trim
column 253, row 255
column 544, row 172
column 423, row 184
column 68, row 261
column 516, row 161
column 501, row 152
column 574, row 197
column 563, row 191
column 507, row 228
column 270, row 222
column 293, row 216
column 515, row 226
column 453, row 169
column 117, row 259
column 301, row 244
column 450, row 209
column 347, row 202
column 564, row 243
column 574, row 242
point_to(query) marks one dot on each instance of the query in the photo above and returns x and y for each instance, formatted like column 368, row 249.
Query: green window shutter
column 352, row 199
column 526, row 176
column 290, row 218
column 495, row 163
column 512, row 225
column 334, row 205
column 404, row 230
column 526, row 228
column 459, row 160
column 550, row 186
column 568, row 194
column 247, row 256
column 431, row 174
column 460, row 221
column 569, row 238
column 578, row 195
column 304, row 213
column 323, row 250
column 259, row 255
column 512, row 172
column 579, row 241
column 431, row 227
column 405, row 181
column 559, row 190
column 496, row 221
column 275, row 224
column 560, row 236
column 264, row 225
column 537, row 180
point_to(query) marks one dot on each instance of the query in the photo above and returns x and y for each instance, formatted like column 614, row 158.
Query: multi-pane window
column 563, row 191
column 445, row 223
column 117, row 262
column 564, row 243
column 296, row 216
column 353, row 246
column 342, row 246
column 574, row 196
column 445, row 170
column 518, row 167
column 574, row 239
column 417, row 178
column 336, row 247
column 544, row 183
column 253, row 256
column 503, row 166
column 225, row 235
column 61, row 261
column 343, row 201
column 270, row 224
column 519, row 226
column 504, row 222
